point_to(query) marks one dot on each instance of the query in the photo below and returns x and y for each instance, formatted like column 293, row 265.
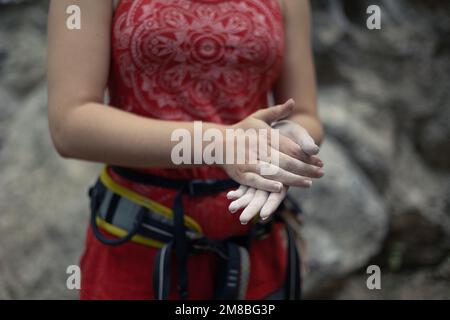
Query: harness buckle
column 95, row 193
column 198, row 186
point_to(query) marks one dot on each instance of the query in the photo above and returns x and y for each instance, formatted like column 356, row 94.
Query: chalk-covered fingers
column 259, row 182
column 236, row 194
column 286, row 177
column 292, row 146
column 271, row 177
column 299, row 167
column 254, row 207
column 249, row 175
column 242, row 201
column 272, row 203
column 290, row 156
column 298, row 135
column 254, row 202
column 305, row 140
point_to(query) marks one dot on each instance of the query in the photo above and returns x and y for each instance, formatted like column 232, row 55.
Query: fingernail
column 309, row 183
column 320, row 163
column 321, row 172
column 279, row 187
column 244, row 223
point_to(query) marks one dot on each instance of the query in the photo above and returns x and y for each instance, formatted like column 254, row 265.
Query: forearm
column 94, row 132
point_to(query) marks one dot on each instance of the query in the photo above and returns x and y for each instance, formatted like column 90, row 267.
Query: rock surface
column 43, row 207
column 345, row 220
column 385, row 200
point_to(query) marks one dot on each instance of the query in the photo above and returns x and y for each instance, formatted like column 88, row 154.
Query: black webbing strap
column 227, row 286
column 233, row 253
column 190, row 187
column 181, row 249
column 229, row 251
column 293, row 274
column 96, row 193
column 194, row 187
column 231, row 274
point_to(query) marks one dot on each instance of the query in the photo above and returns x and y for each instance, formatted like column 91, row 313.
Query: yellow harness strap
column 154, row 206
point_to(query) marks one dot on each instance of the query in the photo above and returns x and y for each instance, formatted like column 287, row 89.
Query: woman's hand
column 266, row 203
column 255, row 201
column 289, row 170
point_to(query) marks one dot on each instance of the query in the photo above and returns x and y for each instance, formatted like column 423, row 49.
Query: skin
column 83, row 128
column 265, row 203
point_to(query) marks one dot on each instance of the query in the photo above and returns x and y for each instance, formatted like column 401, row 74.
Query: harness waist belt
column 130, row 216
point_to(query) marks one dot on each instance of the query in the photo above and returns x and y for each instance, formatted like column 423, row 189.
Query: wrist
column 214, row 144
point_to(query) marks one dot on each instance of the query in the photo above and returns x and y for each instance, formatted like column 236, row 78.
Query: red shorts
column 125, row 271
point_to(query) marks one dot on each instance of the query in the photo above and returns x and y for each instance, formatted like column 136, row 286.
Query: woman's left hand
column 266, row 203
column 255, row 201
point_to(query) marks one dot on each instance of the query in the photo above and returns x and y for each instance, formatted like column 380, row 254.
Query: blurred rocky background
column 385, row 101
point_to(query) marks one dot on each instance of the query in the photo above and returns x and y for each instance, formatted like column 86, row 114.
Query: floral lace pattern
column 211, row 60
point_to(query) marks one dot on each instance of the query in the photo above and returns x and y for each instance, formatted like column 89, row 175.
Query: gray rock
column 22, row 47
column 44, row 208
column 388, row 107
column 9, row 106
column 402, row 69
column 434, row 140
column 363, row 129
column 419, row 234
column 430, row 284
column 345, row 220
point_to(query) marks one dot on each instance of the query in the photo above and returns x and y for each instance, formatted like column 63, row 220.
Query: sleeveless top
column 186, row 60
column 209, row 60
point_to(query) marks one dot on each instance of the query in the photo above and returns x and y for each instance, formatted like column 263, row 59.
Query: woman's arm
column 297, row 78
column 83, row 128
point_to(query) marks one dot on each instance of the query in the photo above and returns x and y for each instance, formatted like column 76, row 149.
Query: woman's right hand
column 289, row 171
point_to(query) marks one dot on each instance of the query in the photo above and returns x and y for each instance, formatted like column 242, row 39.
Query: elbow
column 59, row 138
column 60, row 144
column 61, row 148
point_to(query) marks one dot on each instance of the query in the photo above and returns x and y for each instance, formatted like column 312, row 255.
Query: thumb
column 307, row 143
column 275, row 113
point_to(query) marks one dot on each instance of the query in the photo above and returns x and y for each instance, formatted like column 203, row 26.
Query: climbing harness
column 132, row 217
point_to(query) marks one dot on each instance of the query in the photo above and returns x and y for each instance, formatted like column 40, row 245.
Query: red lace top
column 186, row 60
